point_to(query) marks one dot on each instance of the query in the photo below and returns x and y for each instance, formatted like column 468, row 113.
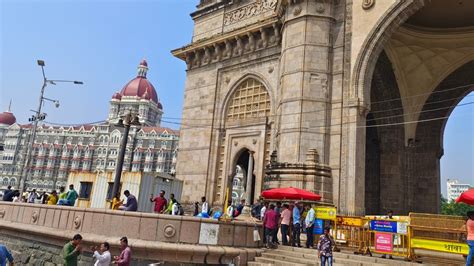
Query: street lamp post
column 127, row 121
column 35, row 119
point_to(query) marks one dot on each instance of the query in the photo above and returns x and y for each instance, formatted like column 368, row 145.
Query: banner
column 350, row 221
column 383, row 242
column 383, row 226
column 318, row 227
column 325, row 213
column 443, row 246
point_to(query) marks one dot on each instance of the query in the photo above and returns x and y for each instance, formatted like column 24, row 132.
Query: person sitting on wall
column 116, row 202
column 169, row 208
column 131, row 205
column 71, row 197
column 53, row 198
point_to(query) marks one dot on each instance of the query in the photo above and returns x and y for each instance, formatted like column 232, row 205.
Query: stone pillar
column 248, row 189
column 305, row 79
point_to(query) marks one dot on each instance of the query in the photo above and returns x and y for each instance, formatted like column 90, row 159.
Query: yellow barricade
column 389, row 237
column 352, row 232
column 442, row 233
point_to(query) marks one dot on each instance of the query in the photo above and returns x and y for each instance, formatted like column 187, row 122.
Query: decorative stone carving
column 236, row 143
column 320, row 7
column 251, row 43
column 297, row 10
column 250, row 10
column 77, row 222
column 217, row 52
column 270, row 69
column 239, row 48
column 368, row 4
column 2, row 213
column 263, row 38
column 254, row 141
column 34, row 217
column 169, row 231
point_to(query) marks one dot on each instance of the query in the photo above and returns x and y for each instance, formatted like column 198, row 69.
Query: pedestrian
column 32, row 196
column 309, row 225
column 125, row 254
column 325, row 245
column 275, row 232
column 42, row 198
column 131, row 205
column 256, row 208
column 71, row 250
column 9, row 195
column 71, row 197
column 16, row 197
column 240, row 207
column 204, row 206
column 102, row 254
column 169, row 208
column 5, row 255
column 53, row 198
column 296, row 225
column 470, row 238
column 6, row 192
column 263, row 210
column 196, row 208
column 285, row 223
column 270, row 223
column 160, row 202
column 116, row 202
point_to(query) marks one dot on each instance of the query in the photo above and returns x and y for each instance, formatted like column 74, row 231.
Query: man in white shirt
column 309, row 223
column 103, row 258
column 204, row 206
column 263, row 210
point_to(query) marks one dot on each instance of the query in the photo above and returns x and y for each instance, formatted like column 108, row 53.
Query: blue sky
column 101, row 42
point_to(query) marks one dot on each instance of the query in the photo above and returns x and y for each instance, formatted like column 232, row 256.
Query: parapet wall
column 151, row 236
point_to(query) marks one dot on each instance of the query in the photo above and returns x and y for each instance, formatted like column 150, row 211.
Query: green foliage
column 452, row 208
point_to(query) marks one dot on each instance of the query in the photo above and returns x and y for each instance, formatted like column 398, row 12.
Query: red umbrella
column 467, row 197
column 290, row 193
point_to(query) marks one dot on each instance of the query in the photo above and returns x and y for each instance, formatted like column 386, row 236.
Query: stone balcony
column 153, row 237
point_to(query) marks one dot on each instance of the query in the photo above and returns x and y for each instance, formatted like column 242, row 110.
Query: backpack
column 180, row 210
column 256, row 211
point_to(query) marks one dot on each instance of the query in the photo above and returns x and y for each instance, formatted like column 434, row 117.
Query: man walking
column 102, row 256
column 309, row 223
column 270, row 223
column 325, row 246
column 160, row 202
column 285, row 224
column 71, row 250
column 5, row 255
column 296, row 225
column 125, row 254
column 275, row 232
column 470, row 237
column 131, row 205
column 32, row 196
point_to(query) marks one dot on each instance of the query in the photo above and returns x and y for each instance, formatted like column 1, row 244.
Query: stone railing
column 152, row 236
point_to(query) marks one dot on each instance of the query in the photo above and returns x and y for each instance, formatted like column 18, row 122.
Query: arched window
column 250, row 100
column 5, row 181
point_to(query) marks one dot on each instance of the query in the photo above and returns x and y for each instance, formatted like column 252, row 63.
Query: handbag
column 256, row 234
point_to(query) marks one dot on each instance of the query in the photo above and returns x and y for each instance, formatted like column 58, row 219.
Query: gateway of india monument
column 344, row 98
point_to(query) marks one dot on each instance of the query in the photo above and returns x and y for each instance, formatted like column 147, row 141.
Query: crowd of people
column 291, row 220
column 66, row 198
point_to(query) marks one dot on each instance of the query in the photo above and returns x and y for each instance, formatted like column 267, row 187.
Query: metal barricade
column 389, row 237
column 440, row 233
column 351, row 232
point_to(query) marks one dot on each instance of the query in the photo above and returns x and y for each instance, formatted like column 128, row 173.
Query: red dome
column 7, row 118
column 117, row 96
column 140, row 87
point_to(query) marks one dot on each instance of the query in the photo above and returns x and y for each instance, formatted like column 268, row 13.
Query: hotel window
column 85, row 190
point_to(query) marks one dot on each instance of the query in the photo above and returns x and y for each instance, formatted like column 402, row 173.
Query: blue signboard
column 318, row 228
column 383, row 226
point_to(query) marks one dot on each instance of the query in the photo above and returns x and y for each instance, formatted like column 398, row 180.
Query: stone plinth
column 152, row 237
column 310, row 175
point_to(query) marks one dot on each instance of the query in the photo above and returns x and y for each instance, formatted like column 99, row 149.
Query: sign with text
column 443, row 246
column 350, row 221
column 325, row 213
column 383, row 226
column 383, row 242
column 318, row 227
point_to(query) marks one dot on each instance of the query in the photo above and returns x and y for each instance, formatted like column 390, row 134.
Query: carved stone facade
column 316, row 67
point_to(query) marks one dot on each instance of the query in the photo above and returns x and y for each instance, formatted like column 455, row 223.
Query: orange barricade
column 352, row 232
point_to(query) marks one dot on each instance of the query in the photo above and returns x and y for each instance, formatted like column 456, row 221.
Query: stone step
column 277, row 262
column 294, row 258
column 312, row 254
column 256, row 263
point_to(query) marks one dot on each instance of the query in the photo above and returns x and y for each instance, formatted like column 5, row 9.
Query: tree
column 453, row 208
